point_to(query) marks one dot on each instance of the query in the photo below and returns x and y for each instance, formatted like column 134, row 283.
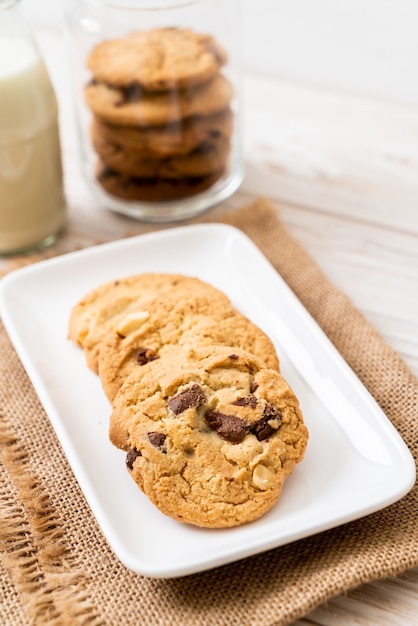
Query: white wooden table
column 344, row 173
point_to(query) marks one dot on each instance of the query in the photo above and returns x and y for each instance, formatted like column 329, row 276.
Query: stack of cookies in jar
column 162, row 119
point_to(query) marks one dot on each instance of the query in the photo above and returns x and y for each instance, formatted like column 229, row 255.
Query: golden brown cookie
column 211, row 434
column 171, row 139
column 137, row 107
column 149, row 331
column 134, row 188
column 92, row 317
column 158, row 59
column 204, row 160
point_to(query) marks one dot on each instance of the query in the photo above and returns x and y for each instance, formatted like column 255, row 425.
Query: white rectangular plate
column 356, row 462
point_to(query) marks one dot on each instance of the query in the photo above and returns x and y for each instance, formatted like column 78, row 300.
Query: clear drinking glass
column 32, row 203
column 158, row 103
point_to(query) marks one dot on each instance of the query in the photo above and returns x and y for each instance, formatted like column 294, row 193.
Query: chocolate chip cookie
column 160, row 59
column 92, row 317
column 204, row 160
column 133, row 106
column 151, row 330
column 210, row 434
column 169, row 140
column 134, row 188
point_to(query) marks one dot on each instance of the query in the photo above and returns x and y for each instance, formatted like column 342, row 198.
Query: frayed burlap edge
column 33, row 545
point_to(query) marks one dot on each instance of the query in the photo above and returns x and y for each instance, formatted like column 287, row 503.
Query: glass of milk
column 32, row 202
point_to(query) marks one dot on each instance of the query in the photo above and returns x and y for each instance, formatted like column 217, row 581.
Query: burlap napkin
column 57, row 569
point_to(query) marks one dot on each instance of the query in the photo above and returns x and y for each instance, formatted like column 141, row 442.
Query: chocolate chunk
column 131, row 455
column 229, row 427
column 145, row 355
column 193, row 396
column 246, row 401
column 233, row 357
column 268, row 424
column 156, row 439
column 107, row 172
column 254, row 387
column 272, row 413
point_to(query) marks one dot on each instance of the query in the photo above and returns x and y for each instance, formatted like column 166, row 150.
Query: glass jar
column 32, row 204
column 158, row 105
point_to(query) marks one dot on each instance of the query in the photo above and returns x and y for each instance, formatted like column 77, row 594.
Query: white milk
column 32, row 204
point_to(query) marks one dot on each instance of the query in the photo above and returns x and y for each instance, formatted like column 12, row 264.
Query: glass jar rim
column 7, row 4
column 142, row 5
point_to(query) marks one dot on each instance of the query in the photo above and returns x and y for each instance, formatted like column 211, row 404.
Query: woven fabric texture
column 56, row 568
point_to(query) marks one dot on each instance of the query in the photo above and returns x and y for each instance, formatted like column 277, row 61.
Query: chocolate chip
column 133, row 92
column 229, row 427
column 203, row 149
column 156, row 439
column 107, row 172
column 268, row 424
column 131, row 455
column 254, row 387
column 272, row 413
column 233, row 357
column 193, row 396
column 215, row 134
column 145, row 355
column 193, row 182
column 246, row 401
